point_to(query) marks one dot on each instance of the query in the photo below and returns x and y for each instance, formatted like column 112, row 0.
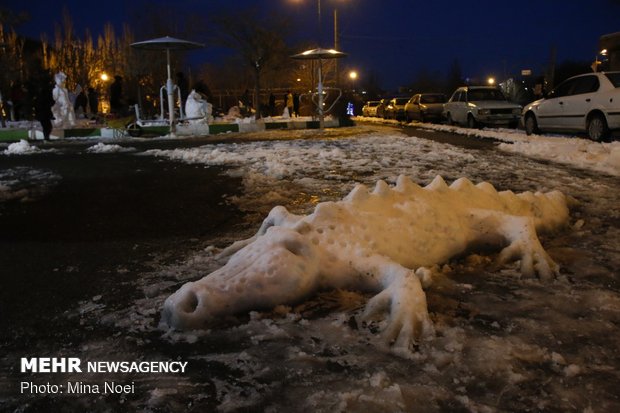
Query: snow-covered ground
column 583, row 153
column 502, row 343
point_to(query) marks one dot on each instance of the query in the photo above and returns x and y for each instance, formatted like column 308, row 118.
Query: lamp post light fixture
column 104, row 76
column 353, row 75
column 491, row 81
column 320, row 28
column 598, row 62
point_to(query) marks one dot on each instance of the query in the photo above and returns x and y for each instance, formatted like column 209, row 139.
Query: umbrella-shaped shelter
column 168, row 43
column 320, row 54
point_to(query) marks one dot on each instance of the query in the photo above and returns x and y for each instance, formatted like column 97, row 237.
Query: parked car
column 370, row 108
column 396, row 109
column 383, row 103
column 586, row 103
column 425, row 107
column 475, row 106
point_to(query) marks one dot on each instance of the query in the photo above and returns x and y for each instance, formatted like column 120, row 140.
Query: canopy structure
column 319, row 54
column 168, row 43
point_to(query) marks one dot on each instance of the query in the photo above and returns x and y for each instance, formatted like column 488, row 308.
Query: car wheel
column 449, row 120
column 597, row 128
column 471, row 122
column 531, row 126
column 421, row 117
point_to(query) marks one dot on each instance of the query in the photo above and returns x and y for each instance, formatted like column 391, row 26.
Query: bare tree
column 260, row 44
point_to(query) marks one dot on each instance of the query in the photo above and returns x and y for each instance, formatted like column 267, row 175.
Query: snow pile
column 372, row 241
column 603, row 157
column 103, row 148
column 21, row 148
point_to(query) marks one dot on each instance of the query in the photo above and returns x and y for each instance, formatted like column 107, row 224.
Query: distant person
column 40, row 91
column 81, row 103
column 296, row 104
column 272, row 104
column 17, row 98
column 288, row 99
column 183, row 86
column 116, row 96
column 93, row 102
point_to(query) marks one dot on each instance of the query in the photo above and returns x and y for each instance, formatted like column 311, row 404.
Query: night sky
column 395, row 39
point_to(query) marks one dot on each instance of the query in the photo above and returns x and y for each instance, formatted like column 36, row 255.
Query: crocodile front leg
column 402, row 296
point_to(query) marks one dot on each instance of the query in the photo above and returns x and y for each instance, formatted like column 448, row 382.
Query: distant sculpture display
column 197, row 109
column 64, row 115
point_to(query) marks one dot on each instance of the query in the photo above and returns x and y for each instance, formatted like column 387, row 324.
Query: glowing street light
column 353, row 75
column 598, row 62
column 491, row 81
column 104, row 76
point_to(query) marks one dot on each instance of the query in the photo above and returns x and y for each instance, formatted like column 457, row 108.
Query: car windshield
column 401, row 101
column 614, row 78
column 484, row 94
column 433, row 99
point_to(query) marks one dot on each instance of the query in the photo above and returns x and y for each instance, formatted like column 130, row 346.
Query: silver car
column 585, row 103
column 476, row 106
column 395, row 109
column 370, row 108
column 425, row 107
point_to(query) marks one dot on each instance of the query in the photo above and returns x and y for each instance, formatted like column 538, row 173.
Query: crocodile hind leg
column 519, row 232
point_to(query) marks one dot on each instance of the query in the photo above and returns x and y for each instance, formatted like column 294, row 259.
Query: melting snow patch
column 21, row 148
column 103, row 148
column 25, row 184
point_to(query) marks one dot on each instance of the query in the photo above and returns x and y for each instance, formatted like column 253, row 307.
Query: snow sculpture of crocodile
column 372, row 241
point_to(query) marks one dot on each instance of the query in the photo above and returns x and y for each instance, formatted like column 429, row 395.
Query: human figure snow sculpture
column 375, row 241
column 197, row 109
column 64, row 115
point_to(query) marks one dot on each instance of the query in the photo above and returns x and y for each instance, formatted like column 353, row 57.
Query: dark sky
column 396, row 39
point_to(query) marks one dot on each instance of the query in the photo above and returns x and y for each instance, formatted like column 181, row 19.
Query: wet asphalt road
column 108, row 212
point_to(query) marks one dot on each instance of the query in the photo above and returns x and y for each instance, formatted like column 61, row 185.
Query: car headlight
column 516, row 111
column 484, row 111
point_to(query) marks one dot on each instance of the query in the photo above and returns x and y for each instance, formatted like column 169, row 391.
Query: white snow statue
column 197, row 109
column 382, row 241
column 64, row 116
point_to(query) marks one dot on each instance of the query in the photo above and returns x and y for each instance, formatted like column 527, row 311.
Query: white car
column 585, row 103
column 481, row 105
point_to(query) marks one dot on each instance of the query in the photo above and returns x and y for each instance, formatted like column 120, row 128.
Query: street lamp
column 598, row 62
column 491, row 81
column 319, row 13
column 352, row 78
